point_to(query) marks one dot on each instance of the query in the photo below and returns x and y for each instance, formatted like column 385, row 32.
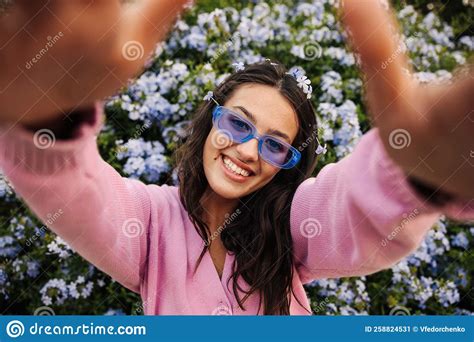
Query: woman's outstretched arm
column 435, row 120
column 66, row 183
column 58, row 57
column 362, row 214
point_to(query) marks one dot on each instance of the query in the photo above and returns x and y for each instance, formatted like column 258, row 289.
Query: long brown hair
column 264, row 225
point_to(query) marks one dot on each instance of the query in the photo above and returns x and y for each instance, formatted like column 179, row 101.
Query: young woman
column 246, row 228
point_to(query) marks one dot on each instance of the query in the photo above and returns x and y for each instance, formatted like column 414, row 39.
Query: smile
column 234, row 172
column 234, row 168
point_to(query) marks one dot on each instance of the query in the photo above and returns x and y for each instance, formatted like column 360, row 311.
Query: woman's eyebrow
column 271, row 131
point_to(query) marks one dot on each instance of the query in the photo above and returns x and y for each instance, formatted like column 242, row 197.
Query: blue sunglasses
column 238, row 129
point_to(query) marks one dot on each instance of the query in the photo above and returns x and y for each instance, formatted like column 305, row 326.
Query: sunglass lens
column 234, row 125
column 275, row 151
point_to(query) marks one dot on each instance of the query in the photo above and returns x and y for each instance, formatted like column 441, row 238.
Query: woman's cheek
column 266, row 175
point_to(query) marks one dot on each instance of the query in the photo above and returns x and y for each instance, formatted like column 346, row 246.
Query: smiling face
column 236, row 170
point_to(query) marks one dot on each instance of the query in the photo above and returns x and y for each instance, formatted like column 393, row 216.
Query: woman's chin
column 226, row 191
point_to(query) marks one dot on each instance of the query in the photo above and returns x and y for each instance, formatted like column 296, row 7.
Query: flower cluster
column 5, row 189
column 346, row 133
column 429, row 278
column 59, row 247
column 340, row 296
column 54, row 291
column 205, row 48
column 144, row 159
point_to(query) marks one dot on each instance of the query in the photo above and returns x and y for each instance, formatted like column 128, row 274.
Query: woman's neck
column 216, row 209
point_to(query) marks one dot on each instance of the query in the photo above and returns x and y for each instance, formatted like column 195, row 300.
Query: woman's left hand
column 428, row 130
column 57, row 56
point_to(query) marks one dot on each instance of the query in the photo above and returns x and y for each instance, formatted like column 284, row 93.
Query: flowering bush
column 147, row 120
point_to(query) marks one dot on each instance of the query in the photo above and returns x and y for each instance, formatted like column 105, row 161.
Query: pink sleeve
column 360, row 215
column 101, row 215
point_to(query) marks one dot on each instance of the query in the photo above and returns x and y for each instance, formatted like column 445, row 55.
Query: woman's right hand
column 57, row 55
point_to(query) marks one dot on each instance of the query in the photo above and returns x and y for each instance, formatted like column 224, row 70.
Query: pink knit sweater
column 358, row 216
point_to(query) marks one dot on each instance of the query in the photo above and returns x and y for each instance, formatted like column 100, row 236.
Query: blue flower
column 114, row 312
column 55, row 291
column 80, row 288
column 60, row 247
column 347, row 135
column 196, row 39
column 297, row 72
column 144, row 159
column 5, row 189
column 8, row 247
column 3, row 277
column 447, row 293
column 331, row 86
column 460, row 240
column 467, row 41
column 340, row 55
column 33, row 268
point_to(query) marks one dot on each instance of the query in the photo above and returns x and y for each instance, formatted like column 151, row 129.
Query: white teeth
column 234, row 168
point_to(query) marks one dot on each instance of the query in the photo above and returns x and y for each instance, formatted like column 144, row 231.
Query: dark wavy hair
column 264, row 225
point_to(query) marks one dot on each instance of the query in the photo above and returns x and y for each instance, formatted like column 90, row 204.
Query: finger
column 373, row 33
column 457, row 100
column 447, row 145
column 40, row 16
column 144, row 24
column 31, row 6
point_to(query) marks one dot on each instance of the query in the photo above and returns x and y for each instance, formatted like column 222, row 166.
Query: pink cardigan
column 357, row 217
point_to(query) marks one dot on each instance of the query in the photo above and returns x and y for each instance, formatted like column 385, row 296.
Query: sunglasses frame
column 296, row 155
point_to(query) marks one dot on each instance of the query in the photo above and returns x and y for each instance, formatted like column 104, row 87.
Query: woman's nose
column 248, row 151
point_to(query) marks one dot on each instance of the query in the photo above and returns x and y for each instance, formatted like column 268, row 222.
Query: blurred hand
column 427, row 129
column 58, row 55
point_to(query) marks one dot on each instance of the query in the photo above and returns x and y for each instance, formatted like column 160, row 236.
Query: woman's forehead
column 268, row 106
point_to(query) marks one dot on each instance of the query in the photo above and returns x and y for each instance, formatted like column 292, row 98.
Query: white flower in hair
column 303, row 81
column 321, row 149
column 238, row 66
column 208, row 96
column 305, row 84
